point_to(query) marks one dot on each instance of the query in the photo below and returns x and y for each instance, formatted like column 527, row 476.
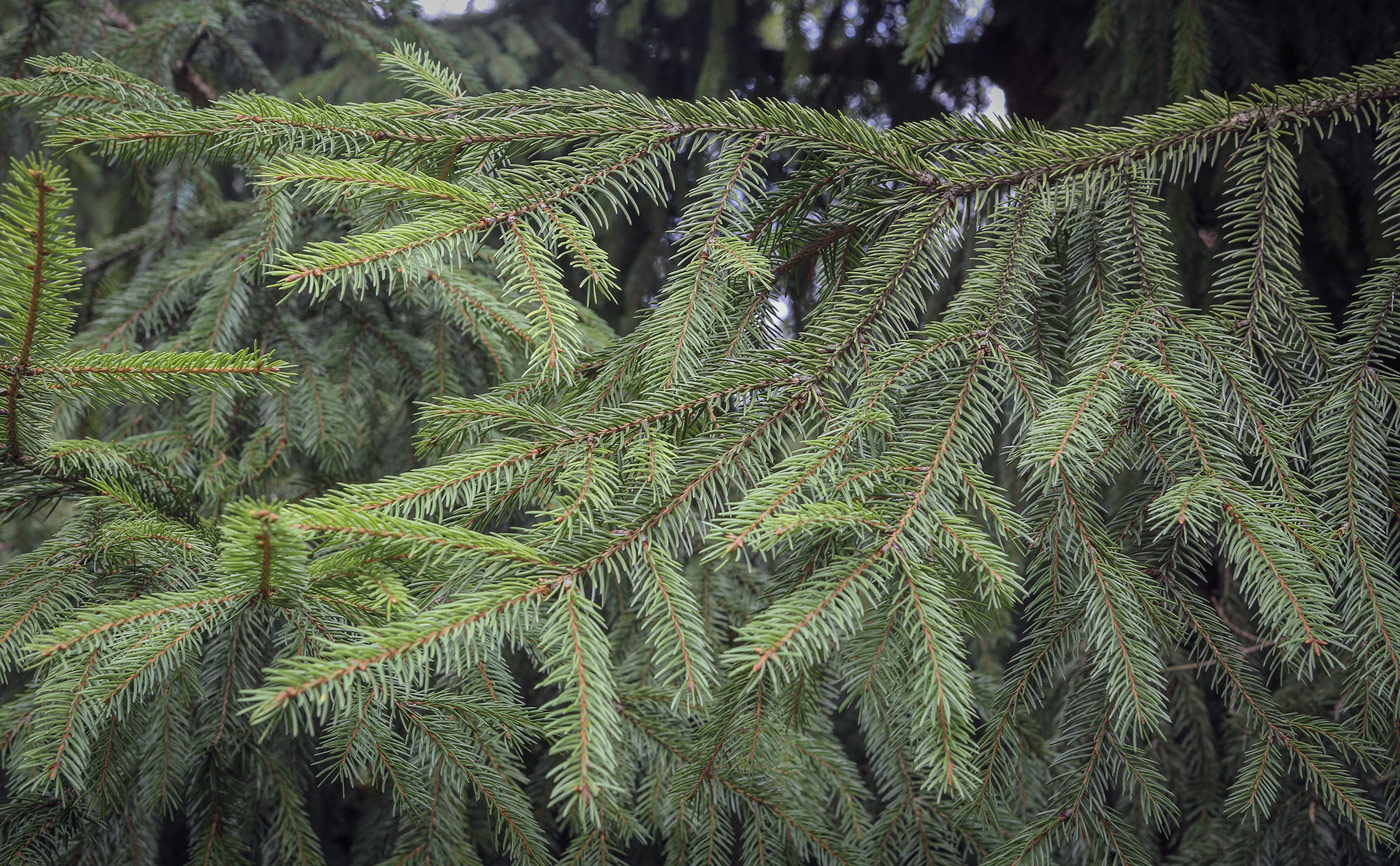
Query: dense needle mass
column 1008, row 554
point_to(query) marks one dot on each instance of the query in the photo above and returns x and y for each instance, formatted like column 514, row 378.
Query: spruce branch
column 913, row 495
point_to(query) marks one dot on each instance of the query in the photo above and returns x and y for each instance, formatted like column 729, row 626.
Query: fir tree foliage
column 1010, row 554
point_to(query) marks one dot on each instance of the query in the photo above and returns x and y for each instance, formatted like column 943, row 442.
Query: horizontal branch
column 1180, row 127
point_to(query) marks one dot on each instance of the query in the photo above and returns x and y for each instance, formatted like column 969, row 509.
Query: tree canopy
column 524, row 437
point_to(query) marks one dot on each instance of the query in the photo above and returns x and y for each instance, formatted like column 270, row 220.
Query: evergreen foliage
column 1010, row 553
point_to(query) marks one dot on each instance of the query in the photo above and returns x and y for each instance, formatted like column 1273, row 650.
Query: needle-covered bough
column 1008, row 554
